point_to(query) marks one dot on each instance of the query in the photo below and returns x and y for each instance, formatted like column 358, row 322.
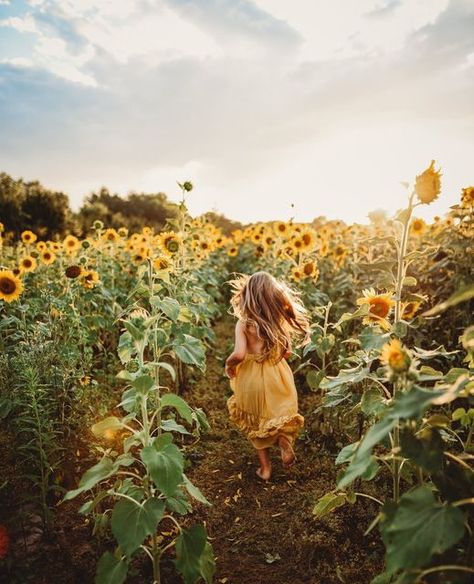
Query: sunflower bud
column 85, row 244
column 98, row 225
column 428, row 185
column 188, row 186
column 133, row 366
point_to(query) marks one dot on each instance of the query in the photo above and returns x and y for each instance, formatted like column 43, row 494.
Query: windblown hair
column 273, row 308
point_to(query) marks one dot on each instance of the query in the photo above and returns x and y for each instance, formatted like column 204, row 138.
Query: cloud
column 136, row 95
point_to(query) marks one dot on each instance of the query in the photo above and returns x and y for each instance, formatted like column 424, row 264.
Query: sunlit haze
column 265, row 104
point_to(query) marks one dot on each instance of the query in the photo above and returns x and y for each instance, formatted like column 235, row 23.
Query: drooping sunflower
column 28, row 237
column 11, row 286
column 47, row 257
column 395, row 356
column 170, row 242
column 380, row 306
column 428, row 184
column 418, row 227
column 409, row 309
column 28, row 264
column 73, row 272
column 71, row 244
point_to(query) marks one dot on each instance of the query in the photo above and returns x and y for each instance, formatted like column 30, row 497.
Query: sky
column 274, row 109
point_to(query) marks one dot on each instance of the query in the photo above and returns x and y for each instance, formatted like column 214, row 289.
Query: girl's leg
column 265, row 470
column 287, row 453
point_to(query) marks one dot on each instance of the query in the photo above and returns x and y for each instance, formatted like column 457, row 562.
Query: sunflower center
column 7, row 285
column 379, row 307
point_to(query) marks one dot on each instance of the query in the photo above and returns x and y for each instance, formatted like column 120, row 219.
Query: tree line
column 30, row 205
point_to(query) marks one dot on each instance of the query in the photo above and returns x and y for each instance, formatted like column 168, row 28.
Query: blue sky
column 326, row 105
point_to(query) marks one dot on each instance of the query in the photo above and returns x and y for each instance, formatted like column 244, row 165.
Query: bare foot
column 264, row 474
column 288, row 456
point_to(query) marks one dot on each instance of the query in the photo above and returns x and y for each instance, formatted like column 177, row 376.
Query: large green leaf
column 194, row 559
column 133, row 522
column 174, row 401
column 372, row 402
column 111, row 570
column 190, row 351
column 102, row 470
column 110, row 423
column 420, row 528
column 126, row 347
column 143, row 383
column 169, row 306
column 165, row 466
column 346, row 376
column 194, row 491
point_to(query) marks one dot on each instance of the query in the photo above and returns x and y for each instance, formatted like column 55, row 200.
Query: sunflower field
column 119, row 463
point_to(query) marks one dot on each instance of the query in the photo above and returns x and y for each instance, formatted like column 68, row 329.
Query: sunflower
column 232, row 251
column 308, row 239
column 71, row 244
column 380, row 306
column 395, row 356
column 170, row 242
column 310, row 270
column 11, row 286
column 28, row 264
column 73, row 272
column 2, row 227
column 297, row 243
column 161, row 263
column 409, row 309
column 90, row 278
column 110, row 235
column 28, row 237
column 418, row 227
column 297, row 274
column 467, row 198
column 138, row 258
column 146, row 230
column 428, row 185
column 122, row 231
column 281, row 228
column 55, row 246
column 41, row 246
column 47, row 257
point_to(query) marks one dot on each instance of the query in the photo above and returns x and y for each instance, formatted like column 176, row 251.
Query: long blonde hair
column 273, row 308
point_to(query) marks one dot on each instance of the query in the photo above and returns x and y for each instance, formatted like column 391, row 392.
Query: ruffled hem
column 255, row 427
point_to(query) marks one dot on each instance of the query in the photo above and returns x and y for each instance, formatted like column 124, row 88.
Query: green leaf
column 143, row 384
column 132, row 522
column 165, row 467
column 372, row 402
column 371, row 338
column 346, row 376
column 169, row 306
column 192, row 555
column 102, row 470
column 346, row 453
column 191, row 351
column 6, row 406
column 110, row 423
column 400, row 329
column 420, row 528
column 172, row 426
column 207, row 563
column 314, row 378
column 195, row 492
column 174, row 401
column 358, row 467
column 167, row 367
column 328, row 503
column 125, row 348
column 111, row 570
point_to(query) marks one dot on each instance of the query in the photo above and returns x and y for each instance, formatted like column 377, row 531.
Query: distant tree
column 133, row 211
column 28, row 205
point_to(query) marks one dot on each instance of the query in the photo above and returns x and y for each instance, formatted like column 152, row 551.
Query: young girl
column 265, row 403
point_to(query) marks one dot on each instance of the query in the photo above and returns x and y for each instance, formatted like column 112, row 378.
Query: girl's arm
column 239, row 352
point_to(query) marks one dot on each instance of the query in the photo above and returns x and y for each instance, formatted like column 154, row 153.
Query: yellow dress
column 265, row 403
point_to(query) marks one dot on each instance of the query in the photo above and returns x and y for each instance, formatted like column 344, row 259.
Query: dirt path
column 266, row 532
